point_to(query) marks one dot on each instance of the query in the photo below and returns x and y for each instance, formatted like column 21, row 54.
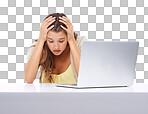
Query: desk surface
column 43, row 98
column 48, row 87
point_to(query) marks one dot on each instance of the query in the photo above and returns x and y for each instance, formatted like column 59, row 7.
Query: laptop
column 106, row 64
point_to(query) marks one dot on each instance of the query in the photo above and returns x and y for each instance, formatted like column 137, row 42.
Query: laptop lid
column 107, row 63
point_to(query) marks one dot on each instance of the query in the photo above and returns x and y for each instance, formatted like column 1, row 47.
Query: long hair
column 46, row 59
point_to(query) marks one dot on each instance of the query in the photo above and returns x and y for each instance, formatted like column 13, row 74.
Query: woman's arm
column 32, row 65
column 76, row 54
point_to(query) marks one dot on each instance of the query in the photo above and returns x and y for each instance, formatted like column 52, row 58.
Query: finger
column 45, row 23
column 49, row 23
column 48, row 18
column 51, row 18
column 62, row 18
column 50, row 28
column 63, row 27
column 65, row 18
column 66, row 21
column 63, row 22
column 69, row 26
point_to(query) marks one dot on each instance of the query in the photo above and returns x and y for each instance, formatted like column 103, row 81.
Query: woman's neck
column 63, row 56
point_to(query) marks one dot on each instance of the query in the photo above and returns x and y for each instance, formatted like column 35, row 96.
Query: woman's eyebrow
column 52, row 39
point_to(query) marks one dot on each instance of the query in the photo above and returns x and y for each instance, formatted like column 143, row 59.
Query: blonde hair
column 46, row 59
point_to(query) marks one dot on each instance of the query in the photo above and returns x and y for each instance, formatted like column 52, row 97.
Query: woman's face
column 56, row 42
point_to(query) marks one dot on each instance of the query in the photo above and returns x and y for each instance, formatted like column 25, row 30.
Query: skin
column 56, row 45
column 56, row 41
column 32, row 66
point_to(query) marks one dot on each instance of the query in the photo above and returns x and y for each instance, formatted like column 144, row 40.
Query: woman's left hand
column 69, row 29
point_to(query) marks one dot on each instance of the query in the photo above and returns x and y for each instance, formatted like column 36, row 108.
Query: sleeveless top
column 66, row 77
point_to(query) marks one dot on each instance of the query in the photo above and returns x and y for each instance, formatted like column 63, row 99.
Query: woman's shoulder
column 34, row 42
column 80, row 40
column 30, row 49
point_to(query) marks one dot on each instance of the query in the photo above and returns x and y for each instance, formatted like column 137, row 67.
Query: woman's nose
column 56, row 45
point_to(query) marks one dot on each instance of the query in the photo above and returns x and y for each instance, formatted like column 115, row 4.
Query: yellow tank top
column 66, row 77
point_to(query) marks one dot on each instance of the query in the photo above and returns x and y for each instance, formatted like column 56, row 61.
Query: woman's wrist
column 41, row 40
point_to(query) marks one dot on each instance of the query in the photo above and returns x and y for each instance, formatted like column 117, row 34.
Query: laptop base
column 74, row 86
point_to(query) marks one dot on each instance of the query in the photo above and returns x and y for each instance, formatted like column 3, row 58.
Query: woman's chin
column 56, row 54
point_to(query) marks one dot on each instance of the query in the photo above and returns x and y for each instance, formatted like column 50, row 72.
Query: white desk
column 47, row 98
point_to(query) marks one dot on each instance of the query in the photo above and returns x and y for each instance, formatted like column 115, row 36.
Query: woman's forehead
column 56, row 38
column 51, row 33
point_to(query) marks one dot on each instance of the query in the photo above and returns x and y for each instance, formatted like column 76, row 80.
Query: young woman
column 57, row 52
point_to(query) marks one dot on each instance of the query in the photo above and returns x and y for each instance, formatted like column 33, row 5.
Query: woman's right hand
column 44, row 25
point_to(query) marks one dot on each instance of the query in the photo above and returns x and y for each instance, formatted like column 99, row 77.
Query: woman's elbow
column 27, row 80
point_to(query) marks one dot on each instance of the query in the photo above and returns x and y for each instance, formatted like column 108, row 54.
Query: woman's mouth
column 56, row 51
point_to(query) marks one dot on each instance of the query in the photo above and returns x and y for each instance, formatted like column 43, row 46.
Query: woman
column 57, row 52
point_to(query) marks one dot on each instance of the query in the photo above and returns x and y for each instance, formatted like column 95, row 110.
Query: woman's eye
column 61, row 41
column 50, row 41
